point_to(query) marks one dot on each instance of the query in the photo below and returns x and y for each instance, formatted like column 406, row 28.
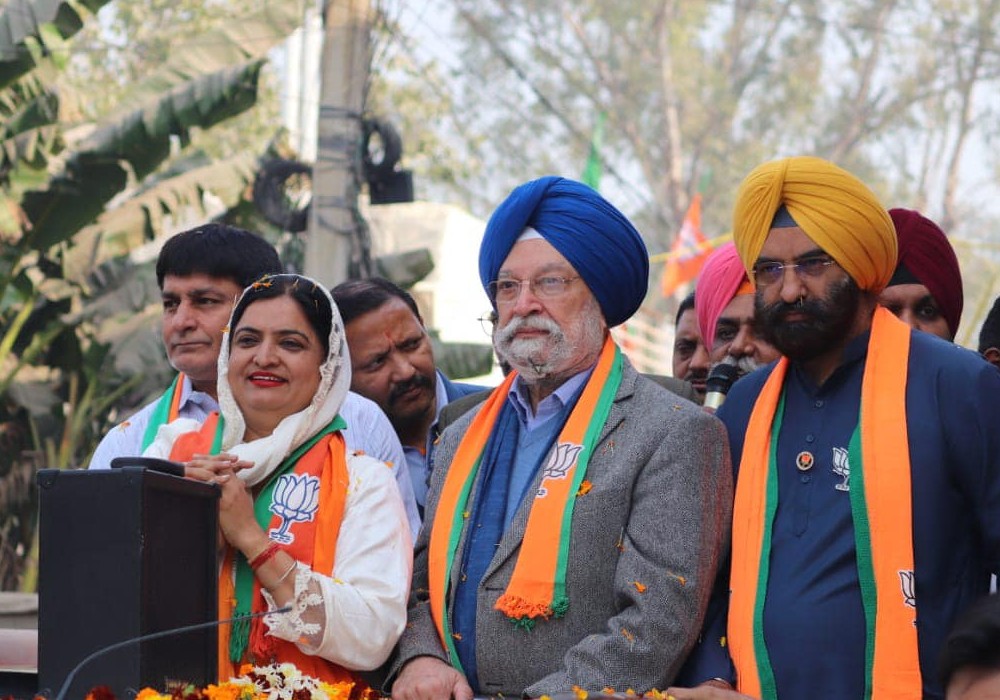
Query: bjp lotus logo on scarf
column 908, row 586
column 295, row 500
column 562, row 459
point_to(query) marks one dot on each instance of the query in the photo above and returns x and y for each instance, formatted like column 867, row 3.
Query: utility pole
column 334, row 234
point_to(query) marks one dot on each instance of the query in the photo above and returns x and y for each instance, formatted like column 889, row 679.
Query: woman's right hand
column 210, row 467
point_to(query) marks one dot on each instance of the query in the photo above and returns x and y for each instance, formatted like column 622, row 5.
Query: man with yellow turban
column 867, row 511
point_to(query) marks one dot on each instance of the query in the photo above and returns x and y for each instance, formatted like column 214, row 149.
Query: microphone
column 720, row 379
column 158, row 635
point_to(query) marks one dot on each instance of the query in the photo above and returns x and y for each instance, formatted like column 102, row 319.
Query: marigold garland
column 272, row 682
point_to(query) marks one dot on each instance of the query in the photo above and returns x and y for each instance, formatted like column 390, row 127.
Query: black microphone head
column 721, row 378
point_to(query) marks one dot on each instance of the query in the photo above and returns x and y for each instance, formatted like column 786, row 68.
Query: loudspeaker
column 124, row 553
column 395, row 187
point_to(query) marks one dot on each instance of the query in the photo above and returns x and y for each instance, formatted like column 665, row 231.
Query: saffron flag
column 689, row 252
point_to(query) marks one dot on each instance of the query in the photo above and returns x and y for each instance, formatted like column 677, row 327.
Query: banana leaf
column 32, row 31
column 130, row 148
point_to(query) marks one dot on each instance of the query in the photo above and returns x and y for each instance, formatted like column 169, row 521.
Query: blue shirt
column 813, row 619
column 537, row 432
column 416, row 459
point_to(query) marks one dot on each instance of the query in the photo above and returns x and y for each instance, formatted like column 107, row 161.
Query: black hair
column 307, row 293
column 687, row 303
column 974, row 641
column 357, row 297
column 217, row 250
column 989, row 335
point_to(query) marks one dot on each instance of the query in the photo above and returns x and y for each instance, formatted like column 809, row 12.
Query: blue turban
column 597, row 240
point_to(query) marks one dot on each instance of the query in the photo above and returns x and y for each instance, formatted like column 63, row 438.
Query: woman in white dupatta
column 305, row 524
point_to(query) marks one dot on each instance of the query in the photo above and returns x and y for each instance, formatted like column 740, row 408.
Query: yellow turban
column 834, row 208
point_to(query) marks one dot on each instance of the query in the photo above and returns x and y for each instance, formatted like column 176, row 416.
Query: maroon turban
column 926, row 257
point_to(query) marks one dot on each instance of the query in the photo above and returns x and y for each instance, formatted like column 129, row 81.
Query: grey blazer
column 646, row 542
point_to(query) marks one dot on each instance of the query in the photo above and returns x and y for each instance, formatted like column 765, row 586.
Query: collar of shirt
column 550, row 405
column 855, row 351
column 191, row 398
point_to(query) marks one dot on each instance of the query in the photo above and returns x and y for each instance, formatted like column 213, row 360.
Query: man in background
column 690, row 359
column 989, row 336
column 724, row 302
column 925, row 291
column 393, row 365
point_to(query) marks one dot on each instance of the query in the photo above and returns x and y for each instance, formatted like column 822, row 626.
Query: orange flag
column 689, row 252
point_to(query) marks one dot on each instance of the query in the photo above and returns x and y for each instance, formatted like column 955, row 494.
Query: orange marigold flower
column 585, row 487
column 608, row 690
column 580, row 693
column 245, row 669
column 680, row 579
column 641, row 587
column 226, row 691
column 655, row 694
column 148, row 694
column 630, row 692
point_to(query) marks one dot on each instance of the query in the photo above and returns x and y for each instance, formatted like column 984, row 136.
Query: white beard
column 540, row 358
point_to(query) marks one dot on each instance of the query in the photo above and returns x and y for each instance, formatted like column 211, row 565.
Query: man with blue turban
column 542, row 565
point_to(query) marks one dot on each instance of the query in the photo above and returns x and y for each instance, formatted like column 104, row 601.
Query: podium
column 125, row 553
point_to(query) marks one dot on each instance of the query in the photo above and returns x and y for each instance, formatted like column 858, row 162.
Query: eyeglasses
column 767, row 273
column 507, row 290
column 488, row 321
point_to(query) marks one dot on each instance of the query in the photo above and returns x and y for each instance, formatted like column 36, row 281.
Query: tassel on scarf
column 238, row 635
column 263, row 646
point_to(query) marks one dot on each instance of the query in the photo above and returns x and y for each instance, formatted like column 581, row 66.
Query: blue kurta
column 813, row 619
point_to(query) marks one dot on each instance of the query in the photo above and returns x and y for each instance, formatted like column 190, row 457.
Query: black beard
column 826, row 325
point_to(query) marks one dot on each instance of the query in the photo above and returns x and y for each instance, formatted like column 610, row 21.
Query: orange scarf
column 537, row 587
column 883, row 523
column 314, row 543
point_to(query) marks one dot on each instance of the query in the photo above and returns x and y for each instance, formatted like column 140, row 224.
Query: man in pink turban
column 926, row 289
column 723, row 301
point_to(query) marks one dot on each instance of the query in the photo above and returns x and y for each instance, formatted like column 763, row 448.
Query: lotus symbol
column 562, row 459
column 295, row 499
column 908, row 584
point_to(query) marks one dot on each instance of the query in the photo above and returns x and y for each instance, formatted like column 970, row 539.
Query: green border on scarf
column 161, row 414
column 768, row 687
column 454, row 537
column 560, row 600
column 863, row 551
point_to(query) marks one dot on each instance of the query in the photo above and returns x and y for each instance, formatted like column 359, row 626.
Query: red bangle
column 269, row 551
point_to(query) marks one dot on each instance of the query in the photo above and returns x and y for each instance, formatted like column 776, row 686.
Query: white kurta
column 354, row 615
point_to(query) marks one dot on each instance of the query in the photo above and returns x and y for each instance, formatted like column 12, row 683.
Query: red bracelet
column 269, row 551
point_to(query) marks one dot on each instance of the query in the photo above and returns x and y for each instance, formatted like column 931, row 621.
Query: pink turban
column 718, row 284
column 928, row 258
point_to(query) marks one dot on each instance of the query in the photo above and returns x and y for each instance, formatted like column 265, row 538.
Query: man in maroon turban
column 926, row 289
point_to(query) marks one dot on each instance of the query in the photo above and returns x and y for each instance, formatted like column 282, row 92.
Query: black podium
column 125, row 553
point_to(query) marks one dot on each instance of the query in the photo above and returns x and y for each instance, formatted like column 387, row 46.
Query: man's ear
column 992, row 356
